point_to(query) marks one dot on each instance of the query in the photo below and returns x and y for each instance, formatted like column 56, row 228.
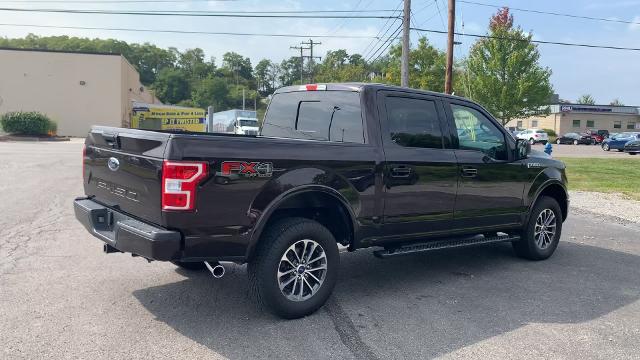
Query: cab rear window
column 315, row 115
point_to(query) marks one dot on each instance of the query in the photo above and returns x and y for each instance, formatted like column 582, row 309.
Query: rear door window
column 315, row 115
column 413, row 122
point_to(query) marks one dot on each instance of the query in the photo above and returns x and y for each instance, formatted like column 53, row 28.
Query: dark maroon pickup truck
column 358, row 165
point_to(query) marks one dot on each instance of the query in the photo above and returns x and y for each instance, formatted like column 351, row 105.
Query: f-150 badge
column 249, row 169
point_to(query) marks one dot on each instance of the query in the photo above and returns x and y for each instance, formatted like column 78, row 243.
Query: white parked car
column 534, row 136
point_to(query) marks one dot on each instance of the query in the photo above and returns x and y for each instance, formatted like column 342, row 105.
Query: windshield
column 250, row 122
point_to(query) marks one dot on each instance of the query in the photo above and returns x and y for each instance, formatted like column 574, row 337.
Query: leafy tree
column 504, row 74
column 211, row 91
column 238, row 65
column 290, row 71
column 616, row 102
column 263, row 76
column 586, row 99
column 172, row 86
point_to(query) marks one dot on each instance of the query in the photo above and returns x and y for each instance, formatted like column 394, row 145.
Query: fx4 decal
column 249, row 169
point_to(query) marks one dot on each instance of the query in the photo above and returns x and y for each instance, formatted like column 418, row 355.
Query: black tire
column 558, row 141
column 193, row 266
column 575, row 142
column 632, row 153
column 544, row 142
column 527, row 247
column 620, row 150
column 264, row 266
column 606, row 147
column 532, row 141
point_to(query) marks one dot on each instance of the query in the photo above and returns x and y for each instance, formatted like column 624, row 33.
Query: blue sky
column 606, row 74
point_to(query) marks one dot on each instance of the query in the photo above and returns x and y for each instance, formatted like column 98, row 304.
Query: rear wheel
column 632, row 153
column 295, row 267
column 190, row 265
column 531, row 141
column 606, row 147
column 575, row 142
column 542, row 233
column 558, row 141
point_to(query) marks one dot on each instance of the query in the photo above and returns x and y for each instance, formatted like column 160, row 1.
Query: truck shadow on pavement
column 417, row 306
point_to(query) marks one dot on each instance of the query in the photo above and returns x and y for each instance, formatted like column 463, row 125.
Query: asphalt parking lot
column 60, row 297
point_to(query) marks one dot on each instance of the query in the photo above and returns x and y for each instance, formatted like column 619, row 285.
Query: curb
column 34, row 138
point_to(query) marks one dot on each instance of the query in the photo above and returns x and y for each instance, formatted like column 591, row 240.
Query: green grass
column 604, row 175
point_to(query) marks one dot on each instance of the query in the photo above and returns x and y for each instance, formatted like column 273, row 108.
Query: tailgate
column 122, row 169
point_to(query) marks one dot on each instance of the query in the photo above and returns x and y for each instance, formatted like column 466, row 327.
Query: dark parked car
column 632, row 147
column 361, row 165
column 575, row 139
column 618, row 141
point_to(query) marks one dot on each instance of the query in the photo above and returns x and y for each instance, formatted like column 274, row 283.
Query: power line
column 109, row 1
column 373, row 52
column 533, row 41
column 189, row 32
column 256, row 14
column 552, row 13
column 373, row 42
column 388, row 42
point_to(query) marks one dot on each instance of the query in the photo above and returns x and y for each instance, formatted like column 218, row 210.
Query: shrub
column 550, row 132
column 27, row 123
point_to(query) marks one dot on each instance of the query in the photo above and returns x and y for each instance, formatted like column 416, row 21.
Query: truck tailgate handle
column 110, row 139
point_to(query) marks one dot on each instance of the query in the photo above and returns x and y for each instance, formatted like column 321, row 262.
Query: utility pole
column 404, row 67
column 301, row 48
column 311, row 57
column 448, row 75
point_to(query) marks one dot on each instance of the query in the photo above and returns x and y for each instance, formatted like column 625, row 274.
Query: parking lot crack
column 347, row 331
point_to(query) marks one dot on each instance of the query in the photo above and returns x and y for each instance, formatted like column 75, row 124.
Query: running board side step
column 445, row 244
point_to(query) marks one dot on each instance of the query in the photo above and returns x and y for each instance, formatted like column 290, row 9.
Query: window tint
column 540, row 132
column 315, row 115
column 413, row 122
column 477, row 132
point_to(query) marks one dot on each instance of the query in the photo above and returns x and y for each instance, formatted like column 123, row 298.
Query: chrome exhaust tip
column 216, row 269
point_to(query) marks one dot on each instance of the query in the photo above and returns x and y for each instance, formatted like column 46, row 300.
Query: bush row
column 27, row 123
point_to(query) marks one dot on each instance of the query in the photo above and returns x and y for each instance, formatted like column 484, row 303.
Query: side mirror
column 523, row 148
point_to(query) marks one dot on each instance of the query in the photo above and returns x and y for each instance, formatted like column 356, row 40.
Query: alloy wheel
column 302, row 270
column 545, row 228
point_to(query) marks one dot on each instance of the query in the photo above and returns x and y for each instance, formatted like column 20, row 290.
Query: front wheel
column 295, row 267
column 632, row 153
column 606, row 147
column 541, row 235
column 531, row 141
column 575, row 142
column 558, row 141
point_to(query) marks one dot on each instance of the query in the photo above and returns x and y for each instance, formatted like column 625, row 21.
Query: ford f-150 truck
column 356, row 165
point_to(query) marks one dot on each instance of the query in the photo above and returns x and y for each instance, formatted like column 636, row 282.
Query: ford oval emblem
column 113, row 164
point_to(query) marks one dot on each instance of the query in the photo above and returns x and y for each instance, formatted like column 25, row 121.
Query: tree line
column 501, row 71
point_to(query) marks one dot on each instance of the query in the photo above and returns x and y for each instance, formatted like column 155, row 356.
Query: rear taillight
column 179, row 182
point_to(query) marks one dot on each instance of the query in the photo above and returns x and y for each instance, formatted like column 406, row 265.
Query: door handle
column 401, row 171
column 469, row 172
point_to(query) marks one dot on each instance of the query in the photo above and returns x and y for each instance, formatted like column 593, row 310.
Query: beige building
column 76, row 90
column 565, row 118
